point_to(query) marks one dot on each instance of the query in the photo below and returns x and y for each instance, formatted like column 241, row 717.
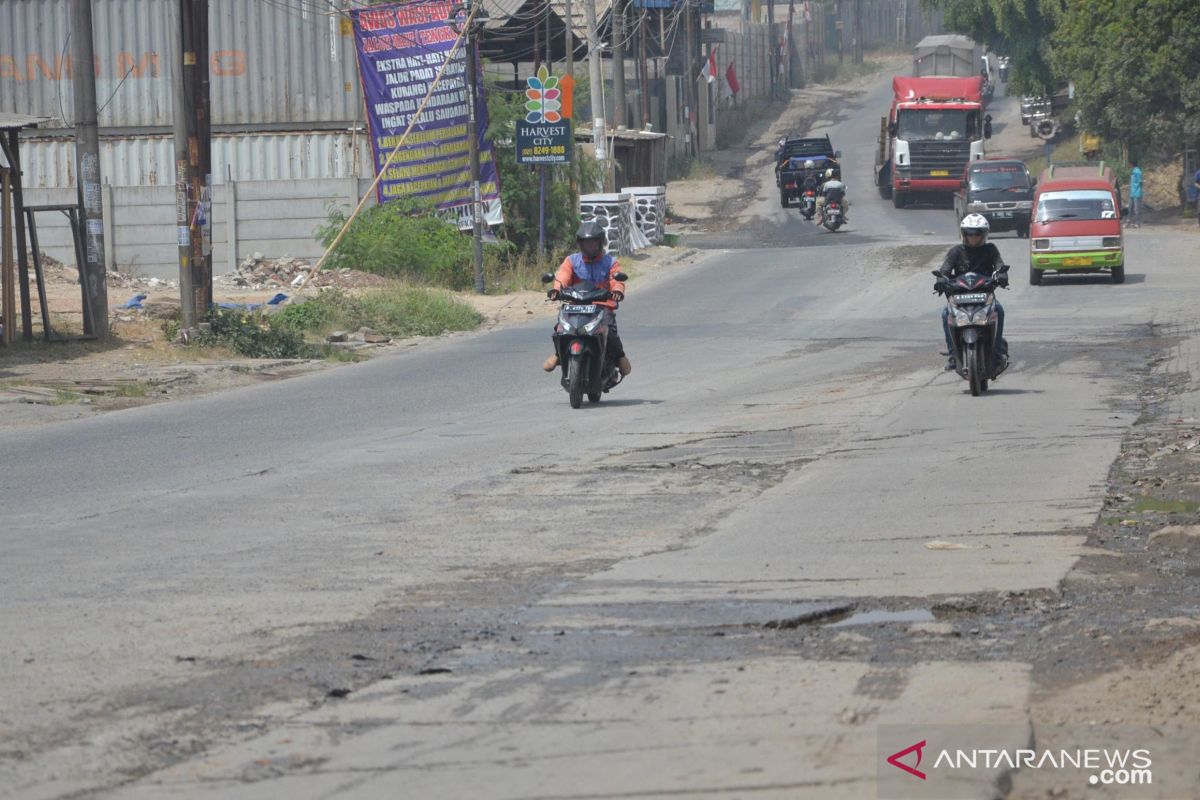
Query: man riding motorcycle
column 591, row 263
column 810, row 177
column 975, row 254
column 832, row 189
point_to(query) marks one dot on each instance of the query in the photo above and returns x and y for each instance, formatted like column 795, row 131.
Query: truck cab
column 999, row 189
column 1076, row 225
column 936, row 128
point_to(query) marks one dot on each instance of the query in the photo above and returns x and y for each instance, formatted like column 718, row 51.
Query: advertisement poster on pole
column 544, row 134
column 400, row 50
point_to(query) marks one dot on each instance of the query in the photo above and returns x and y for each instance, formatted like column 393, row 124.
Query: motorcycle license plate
column 579, row 309
column 969, row 299
column 940, row 173
column 1077, row 262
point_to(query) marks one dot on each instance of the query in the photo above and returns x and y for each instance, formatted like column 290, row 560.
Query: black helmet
column 591, row 230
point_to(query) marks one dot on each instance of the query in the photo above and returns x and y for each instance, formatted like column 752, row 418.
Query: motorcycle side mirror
column 621, row 276
column 547, row 277
column 837, row 153
column 935, row 273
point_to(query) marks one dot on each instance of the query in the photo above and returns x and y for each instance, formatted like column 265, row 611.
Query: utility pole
column 618, row 62
column 644, row 70
column 596, row 77
column 569, row 47
column 774, row 45
column 689, row 77
column 92, row 273
column 193, row 163
column 569, row 37
column 858, row 32
column 473, row 143
column 840, row 25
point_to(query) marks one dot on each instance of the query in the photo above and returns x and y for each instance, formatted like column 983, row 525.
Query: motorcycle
column 971, row 299
column 581, row 341
column 832, row 218
column 808, row 204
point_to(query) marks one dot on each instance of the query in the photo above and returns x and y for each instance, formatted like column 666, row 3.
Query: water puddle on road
column 879, row 616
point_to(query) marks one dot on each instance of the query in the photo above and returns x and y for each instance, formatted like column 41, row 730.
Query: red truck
column 936, row 127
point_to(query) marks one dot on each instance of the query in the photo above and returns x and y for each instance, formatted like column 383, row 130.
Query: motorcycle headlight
column 595, row 323
column 980, row 317
column 565, row 324
column 961, row 317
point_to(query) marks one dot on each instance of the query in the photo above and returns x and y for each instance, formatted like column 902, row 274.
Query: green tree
column 1136, row 69
column 1019, row 29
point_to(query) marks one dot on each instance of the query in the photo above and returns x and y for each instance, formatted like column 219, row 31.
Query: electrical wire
column 128, row 72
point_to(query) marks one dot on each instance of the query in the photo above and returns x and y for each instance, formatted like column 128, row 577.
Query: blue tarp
column 274, row 301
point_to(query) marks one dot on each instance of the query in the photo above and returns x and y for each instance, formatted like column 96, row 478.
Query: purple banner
column 400, row 50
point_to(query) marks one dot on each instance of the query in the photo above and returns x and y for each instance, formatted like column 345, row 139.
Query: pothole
column 881, row 616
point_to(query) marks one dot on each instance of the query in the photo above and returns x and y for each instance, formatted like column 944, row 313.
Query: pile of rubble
column 259, row 272
column 55, row 271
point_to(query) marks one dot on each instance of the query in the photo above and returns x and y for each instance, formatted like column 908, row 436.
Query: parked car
column 999, row 189
column 1076, row 225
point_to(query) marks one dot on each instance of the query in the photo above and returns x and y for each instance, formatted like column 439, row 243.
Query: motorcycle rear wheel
column 575, row 380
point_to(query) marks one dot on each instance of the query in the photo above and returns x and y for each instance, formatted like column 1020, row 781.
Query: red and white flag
column 731, row 79
column 710, row 68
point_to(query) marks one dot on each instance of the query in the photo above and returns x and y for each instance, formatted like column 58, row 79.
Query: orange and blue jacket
column 576, row 268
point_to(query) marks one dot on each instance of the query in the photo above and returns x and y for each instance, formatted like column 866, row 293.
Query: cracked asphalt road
column 427, row 576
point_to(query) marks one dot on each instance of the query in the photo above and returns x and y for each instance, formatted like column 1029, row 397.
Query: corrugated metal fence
column 273, row 64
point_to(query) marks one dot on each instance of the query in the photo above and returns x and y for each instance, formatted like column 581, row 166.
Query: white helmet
column 829, row 174
column 809, row 164
column 974, row 224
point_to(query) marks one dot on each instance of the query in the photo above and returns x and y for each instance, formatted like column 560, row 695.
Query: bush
column 399, row 311
column 401, row 238
column 255, row 336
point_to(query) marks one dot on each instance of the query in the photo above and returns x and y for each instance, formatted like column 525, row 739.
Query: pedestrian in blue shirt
column 1135, row 195
column 1196, row 184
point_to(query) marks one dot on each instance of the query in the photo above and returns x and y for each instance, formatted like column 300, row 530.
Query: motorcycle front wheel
column 976, row 374
column 575, row 380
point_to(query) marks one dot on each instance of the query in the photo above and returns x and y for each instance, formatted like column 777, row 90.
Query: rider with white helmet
column 975, row 254
column 832, row 188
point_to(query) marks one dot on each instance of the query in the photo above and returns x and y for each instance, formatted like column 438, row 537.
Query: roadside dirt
column 42, row 382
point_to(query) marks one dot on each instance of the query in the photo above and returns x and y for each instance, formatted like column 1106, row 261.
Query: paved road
column 531, row 601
